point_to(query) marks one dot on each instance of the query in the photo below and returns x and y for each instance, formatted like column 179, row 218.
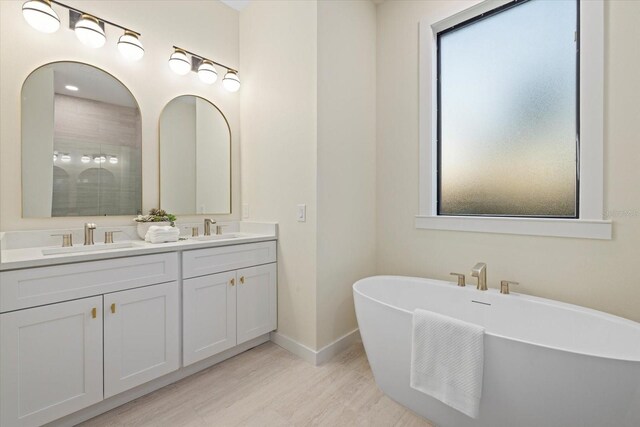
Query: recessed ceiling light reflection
column 72, row 88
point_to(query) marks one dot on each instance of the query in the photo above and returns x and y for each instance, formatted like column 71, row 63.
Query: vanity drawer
column 201, row 262
column 45, row 285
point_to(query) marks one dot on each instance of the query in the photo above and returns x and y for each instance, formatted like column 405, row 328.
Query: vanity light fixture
column 89, row 31
column 207, row 72
column 72, row 88
column 41, row 16
column 88, row 28
column 113, row 160
column 99, row 159
column 231, row 82
column 85, row 159
column 130, row 47
column 181, row 64
column 65, row 158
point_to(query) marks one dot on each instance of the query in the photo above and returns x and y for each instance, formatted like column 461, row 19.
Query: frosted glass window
column 508, row 112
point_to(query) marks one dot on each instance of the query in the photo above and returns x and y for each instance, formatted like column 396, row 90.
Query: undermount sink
column 217, row 237
column 91, row 248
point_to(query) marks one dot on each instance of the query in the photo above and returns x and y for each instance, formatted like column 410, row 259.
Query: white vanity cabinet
column 57, row 357
column 141, row 336
column 222, row 309
column 50, row 361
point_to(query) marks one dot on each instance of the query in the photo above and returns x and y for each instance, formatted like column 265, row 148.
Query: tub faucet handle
column 504, row 286
column 461, row 278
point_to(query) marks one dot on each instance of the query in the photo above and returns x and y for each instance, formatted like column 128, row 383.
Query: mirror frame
column 230, row 159
column 22, row 200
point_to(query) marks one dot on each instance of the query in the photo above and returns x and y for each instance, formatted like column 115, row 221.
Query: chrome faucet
column 88, row 233
column 480, row 271
column 207, row 226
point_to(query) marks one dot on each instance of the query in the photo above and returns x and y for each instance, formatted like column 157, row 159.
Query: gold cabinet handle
column 233, row 282
column 113, row 307
column 94, row 312
column 241, row 279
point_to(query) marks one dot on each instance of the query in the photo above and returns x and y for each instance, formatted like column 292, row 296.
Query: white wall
column 278, row 59
column 207, row 27
column 37, row 151
column 346, row 160
column 178, row 159
column 597, row 274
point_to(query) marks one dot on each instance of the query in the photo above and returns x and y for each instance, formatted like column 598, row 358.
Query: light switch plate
column 245, row 210
column 302, row 213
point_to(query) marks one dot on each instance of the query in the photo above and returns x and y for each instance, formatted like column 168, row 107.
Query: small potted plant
column 155, row 217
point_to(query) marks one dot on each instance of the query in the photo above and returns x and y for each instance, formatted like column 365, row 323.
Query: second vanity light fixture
column 88, row 28
column 181, row 64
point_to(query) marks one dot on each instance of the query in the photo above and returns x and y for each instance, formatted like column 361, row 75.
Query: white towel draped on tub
column 447, row 360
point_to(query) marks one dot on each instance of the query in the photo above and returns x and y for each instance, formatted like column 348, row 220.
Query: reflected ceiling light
column 231, row 81
column 40, row 15
column 89, row 31
column 130, row 47
column 179, row 62
column 207, row 72
column 65, row 158
column 113, row 160
column 72, row 88
column 99, row 159
column 85, row 159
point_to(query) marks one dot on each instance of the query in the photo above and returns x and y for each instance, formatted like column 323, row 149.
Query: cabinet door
column 141, row 336
column 257, row 301
column 50, row 361
column 209, row 315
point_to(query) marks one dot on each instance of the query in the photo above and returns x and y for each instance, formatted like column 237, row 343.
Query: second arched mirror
column 195, row 158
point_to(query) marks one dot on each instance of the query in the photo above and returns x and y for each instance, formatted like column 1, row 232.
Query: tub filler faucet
column 480, row 271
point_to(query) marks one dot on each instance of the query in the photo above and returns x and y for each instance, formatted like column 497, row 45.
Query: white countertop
column 27, row 257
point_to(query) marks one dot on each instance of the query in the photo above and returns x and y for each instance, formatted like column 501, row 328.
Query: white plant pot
column 143, row 227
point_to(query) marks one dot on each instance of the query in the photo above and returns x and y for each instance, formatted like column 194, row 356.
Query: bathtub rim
column 538, row 300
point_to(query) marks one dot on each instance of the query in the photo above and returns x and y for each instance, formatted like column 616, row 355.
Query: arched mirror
column 195, row 158
column 81, row 144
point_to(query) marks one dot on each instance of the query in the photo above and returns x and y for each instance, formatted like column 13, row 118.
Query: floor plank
column 268, row 387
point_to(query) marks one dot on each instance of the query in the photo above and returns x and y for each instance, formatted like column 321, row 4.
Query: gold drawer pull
column 94, row 312
column 113, row 307
column 233, row 282
column 241, row 279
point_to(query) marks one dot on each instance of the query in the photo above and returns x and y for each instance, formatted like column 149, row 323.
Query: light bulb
column 40, row 15
column 231, row 81
column 179, row 62
column 130, row 47
column 89, row 32
column 207, row 72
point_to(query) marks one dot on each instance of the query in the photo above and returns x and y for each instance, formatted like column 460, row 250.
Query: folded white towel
column 162, row 234
column 447, row 360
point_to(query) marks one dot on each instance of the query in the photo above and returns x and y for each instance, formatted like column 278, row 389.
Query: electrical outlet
column 302, row 213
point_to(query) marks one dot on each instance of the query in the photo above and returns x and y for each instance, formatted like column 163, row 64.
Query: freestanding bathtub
column 546, row 363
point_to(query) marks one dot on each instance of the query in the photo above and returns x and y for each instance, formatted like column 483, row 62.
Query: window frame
column 590, row 222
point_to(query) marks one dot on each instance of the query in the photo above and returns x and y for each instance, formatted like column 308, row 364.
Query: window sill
column 576, row 228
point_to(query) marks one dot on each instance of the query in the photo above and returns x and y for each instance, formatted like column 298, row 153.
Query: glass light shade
column 130, row 47
column 99, row 159
column 231, row 81
column 179, row 62
column 40, row 15
column 113, row 160
column 65, row 158
column 89, row 32
column 207, row 73
column 85, row 159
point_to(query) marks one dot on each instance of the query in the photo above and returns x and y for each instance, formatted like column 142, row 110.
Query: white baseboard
column 312, row 356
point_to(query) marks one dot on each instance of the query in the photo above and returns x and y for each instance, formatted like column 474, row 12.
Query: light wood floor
column 268, row 386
